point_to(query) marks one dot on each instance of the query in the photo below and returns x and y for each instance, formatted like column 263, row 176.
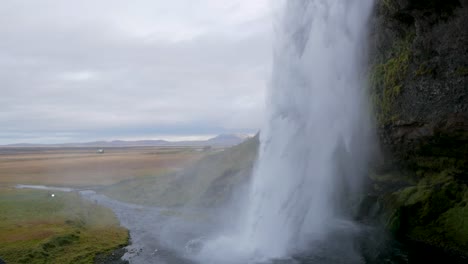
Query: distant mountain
column 123, row 143
column 227, row 139
column 224, row 140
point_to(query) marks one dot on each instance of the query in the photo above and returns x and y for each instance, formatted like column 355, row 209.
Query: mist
column 313, row 146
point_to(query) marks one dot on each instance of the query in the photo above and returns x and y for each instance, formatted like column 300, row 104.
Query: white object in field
column 100, row 151
column 53, row 195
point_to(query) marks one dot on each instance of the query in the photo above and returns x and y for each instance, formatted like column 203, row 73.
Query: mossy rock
column 387, row 78
column 434, row 212
column 450, row 229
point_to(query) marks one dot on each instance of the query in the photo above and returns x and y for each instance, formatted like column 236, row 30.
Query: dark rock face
column 419, row 87
column 422, row 53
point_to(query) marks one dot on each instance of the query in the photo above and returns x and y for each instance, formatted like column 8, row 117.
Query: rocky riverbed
column 146, row 225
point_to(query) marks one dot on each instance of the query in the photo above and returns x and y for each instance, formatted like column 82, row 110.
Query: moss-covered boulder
column 435, row 211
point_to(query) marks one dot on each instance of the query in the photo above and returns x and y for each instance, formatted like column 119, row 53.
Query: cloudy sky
column 117, row 69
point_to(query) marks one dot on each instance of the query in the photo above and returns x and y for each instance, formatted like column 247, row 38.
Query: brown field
column 84, row 167
column 38, row 228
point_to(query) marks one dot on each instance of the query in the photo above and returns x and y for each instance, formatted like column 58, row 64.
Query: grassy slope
column 207, row 182
column 36, row 228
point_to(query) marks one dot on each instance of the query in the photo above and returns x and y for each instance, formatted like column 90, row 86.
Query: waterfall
column 313, row 144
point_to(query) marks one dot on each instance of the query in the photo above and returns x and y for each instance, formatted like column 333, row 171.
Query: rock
column 419, row 83
column 114, row 257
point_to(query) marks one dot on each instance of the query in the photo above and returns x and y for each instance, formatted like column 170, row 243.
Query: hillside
column 209, row 182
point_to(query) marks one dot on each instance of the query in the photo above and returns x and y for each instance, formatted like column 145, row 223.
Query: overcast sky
column 117, row 69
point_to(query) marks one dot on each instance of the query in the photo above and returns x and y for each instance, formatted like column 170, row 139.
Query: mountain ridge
column 222, row 140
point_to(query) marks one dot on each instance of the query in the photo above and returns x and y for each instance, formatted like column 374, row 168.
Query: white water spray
column 313, row 144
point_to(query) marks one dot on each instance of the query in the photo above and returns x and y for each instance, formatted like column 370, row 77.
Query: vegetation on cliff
column 418, row 86
column 387, row 78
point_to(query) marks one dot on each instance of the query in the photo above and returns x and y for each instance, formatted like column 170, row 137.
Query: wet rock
column 419, row 86
column 114, row 257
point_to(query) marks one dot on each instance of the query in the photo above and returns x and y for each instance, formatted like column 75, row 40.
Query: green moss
column 431, row 179
column 455, row 223
column 392, row 177
column 387, row 79
column 431, row 163
column 432, row 170
column 389, row 6
column 423, row 70
column 449, row 229
column 412, row 195
column 433, row 211
column 393, row 224
column 462, row 71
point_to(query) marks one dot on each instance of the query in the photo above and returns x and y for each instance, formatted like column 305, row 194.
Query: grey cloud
column 86, row 67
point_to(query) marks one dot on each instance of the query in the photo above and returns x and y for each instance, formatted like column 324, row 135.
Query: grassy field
column 84, row 167
column 38, row 228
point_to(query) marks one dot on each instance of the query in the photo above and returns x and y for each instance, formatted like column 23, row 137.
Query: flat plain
column 38, row 227
column 81, row 167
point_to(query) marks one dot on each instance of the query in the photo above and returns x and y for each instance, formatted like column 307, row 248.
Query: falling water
column 313, row 144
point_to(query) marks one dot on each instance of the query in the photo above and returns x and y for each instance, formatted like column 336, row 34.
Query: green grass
column 38, row 228
column 144, row 190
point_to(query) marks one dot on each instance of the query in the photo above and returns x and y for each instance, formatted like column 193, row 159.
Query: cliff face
column 419, row 87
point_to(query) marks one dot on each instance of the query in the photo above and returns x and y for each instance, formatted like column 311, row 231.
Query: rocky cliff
column 419, row 78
